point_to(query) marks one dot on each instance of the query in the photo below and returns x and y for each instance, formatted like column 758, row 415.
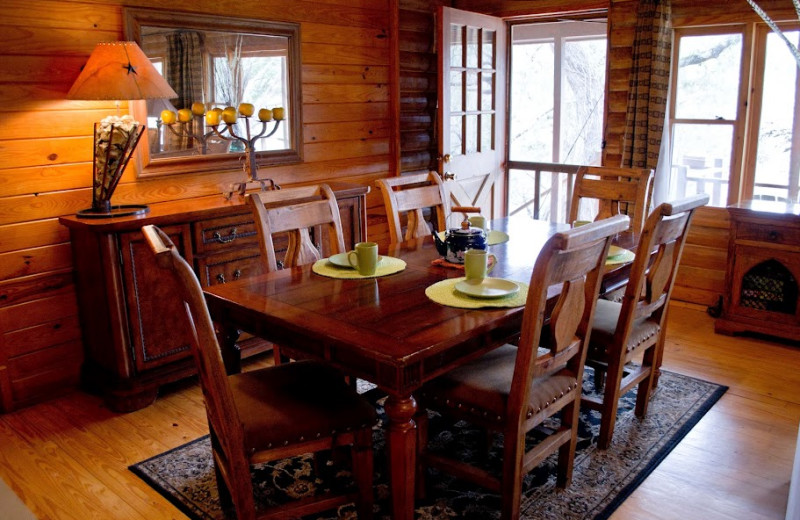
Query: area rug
column 601, row 481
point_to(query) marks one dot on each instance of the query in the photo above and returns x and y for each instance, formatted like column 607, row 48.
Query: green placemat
column 388, row 265
column 444, row 293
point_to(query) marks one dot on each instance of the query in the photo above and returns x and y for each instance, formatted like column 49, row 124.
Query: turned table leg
column 402, row 454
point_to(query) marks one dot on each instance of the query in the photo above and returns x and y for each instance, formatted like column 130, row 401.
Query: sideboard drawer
column 770, row 234
column 229, row 266
column 219, row 234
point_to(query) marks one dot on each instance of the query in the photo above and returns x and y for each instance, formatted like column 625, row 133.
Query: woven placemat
column 388, row 265
column 444, row 293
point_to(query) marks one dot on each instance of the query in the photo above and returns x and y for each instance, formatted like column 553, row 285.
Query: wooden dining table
column 385, row 330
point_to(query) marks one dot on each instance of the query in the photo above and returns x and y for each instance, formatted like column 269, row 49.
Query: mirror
column 213, row 63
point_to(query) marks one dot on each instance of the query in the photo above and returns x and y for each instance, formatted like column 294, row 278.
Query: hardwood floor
column 68, row 458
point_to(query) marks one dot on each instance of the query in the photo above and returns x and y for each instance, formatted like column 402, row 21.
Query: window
column 556, row 111
column 710, row 115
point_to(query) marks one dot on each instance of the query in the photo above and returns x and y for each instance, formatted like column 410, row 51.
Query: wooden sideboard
column 129, row 314
column 763, row 273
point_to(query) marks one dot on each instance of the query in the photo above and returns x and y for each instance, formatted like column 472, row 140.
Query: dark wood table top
column 385, row 329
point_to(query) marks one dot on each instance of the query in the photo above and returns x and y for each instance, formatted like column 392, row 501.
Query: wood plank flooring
column 68, row 458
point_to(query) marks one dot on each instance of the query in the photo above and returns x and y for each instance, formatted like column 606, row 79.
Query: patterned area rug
column 602, row 479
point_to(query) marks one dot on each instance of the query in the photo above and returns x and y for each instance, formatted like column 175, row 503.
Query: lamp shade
column 119, row 70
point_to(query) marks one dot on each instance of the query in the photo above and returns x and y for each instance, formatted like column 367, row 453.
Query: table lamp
column 116, row 71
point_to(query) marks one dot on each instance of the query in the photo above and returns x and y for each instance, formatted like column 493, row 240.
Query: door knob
column 446, row 158
column 448, row 176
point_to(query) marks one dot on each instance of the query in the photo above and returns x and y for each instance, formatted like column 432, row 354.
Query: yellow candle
column 279, row 113
column 229, row 115
column 265, row 114
column 184, row 115
column 246, row 109
column 167, row 117
column 198, row 109
column 212, row 118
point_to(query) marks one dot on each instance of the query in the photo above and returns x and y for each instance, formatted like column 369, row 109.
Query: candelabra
column 188, row 129
column 228, row 117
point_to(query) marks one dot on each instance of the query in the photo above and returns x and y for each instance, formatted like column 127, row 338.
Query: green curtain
column 184, row 70
column 649, row 85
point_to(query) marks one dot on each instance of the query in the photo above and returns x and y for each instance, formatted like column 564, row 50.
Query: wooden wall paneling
column 46, row 151
column 32, row 234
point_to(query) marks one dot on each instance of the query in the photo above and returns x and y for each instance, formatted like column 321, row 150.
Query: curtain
column 646, row 115
column 184, row 70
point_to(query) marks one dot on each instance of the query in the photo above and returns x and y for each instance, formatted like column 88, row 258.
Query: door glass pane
column 487, row 136
column 456, row 91
column 583, row 70
column 701, row 161
column 532, row 106
column 471, row 133
column 456, row 133
column 708, row 76
column 472, row 90
column 487, row 49
column 472, row 47
column 778, row 112
column 456, row 46
column 487, row 91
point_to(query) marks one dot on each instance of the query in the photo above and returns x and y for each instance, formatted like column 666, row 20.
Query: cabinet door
column 158, row 321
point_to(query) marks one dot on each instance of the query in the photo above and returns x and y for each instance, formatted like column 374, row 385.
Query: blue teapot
column 457, row 241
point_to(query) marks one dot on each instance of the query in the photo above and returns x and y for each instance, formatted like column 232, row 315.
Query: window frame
column 746, row 125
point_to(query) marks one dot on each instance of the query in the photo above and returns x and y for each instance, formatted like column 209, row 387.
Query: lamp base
column 114, row 211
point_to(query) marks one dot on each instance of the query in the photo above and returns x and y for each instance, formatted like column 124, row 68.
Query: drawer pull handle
column 221, row 277
column 237, row 274
column 774, row 235
column 225, row 240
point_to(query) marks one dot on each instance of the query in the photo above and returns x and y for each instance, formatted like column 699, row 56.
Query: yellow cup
column 364, row 258
column 476, row 264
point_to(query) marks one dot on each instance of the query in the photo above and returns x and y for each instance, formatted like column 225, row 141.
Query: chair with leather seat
column 513, row 389
column 616, row 190
column 270, row 413
column 296, row 212
column 635, row 327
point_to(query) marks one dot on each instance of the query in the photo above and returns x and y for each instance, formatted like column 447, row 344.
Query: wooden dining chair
column 513, row 389
column 636, row 326
column 616, row 190
column 270, row 413
column 410, row 195
column 296, row 212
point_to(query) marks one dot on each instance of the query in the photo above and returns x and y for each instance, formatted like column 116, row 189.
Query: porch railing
column 549, row 195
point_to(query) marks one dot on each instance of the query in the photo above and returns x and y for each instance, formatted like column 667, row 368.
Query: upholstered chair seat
column 312, row 391
column 482, row 387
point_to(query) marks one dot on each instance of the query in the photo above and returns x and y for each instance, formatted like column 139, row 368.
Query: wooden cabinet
column 763, row 272
column 131, row 318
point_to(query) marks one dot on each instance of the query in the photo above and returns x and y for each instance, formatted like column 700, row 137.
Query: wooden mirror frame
column 148, row 166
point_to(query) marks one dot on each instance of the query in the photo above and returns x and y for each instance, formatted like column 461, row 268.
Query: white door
column 471, row 115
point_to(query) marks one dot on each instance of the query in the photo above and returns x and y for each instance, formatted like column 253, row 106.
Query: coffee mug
column 476, row 264
column 364, row 258
column 478, row 221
